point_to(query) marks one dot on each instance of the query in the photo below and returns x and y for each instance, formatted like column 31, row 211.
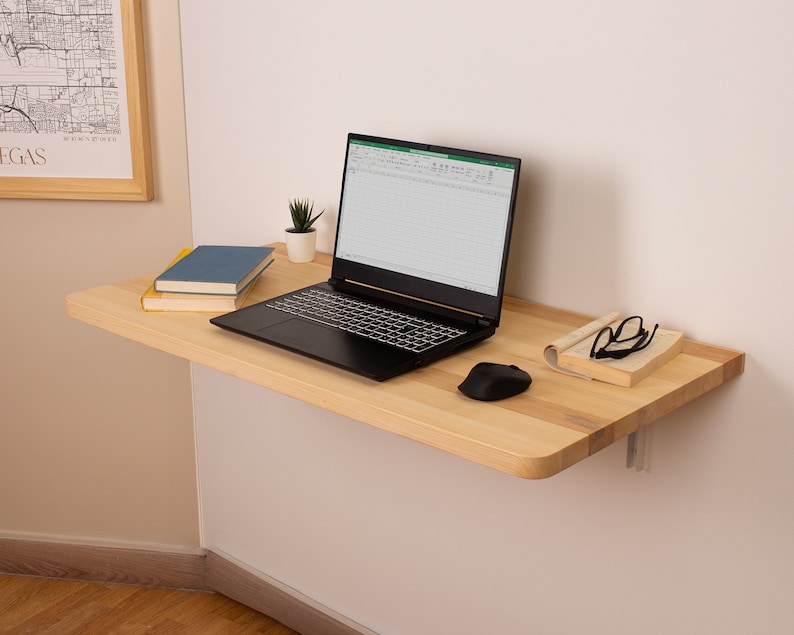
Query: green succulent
column 301, row 211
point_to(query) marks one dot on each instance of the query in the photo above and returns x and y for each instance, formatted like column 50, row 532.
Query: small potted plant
column 301, row 238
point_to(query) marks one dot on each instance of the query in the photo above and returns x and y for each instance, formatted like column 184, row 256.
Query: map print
column 58, row 67
column 63, row 91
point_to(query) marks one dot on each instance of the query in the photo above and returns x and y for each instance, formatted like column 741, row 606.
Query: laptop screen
column 436, row 218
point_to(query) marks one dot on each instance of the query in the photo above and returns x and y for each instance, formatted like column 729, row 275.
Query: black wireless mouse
column 488, row 382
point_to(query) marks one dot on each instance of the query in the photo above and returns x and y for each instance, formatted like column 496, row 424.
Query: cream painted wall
column 657, row 139
column 96, row 433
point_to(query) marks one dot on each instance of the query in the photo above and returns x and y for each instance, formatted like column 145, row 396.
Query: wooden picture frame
column 136, row 182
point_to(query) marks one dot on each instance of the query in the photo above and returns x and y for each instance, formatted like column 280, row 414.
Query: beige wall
column 96, row 434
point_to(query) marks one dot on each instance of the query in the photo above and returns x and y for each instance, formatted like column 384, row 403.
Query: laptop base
column 365, row 357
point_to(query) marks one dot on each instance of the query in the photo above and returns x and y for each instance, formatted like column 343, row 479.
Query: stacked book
column 213, row 278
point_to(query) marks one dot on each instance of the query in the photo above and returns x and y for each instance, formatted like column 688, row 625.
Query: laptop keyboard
column 408, row 332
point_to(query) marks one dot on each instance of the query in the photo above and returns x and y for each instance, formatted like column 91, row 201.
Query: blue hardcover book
column 218, row 269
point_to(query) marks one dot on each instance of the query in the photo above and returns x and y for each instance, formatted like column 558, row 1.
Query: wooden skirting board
column 199, row 569
column 103, row 564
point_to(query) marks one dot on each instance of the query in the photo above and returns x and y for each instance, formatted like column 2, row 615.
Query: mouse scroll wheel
column 514, row 366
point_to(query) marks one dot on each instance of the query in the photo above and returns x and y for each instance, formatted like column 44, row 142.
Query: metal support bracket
column 635, row 452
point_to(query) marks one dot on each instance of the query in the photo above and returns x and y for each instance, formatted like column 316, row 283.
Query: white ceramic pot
column 300, row 246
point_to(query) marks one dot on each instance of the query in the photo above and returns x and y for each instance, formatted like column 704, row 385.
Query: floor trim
column 103, row 564
column 234, row 579
column 202, row 570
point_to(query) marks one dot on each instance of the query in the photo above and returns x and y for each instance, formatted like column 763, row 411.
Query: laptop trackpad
column 334, row 346
column 298, row 334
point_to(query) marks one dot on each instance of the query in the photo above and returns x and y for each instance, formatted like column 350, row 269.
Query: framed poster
column 74, row 122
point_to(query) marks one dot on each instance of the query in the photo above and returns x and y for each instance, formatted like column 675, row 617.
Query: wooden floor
column 55, row 606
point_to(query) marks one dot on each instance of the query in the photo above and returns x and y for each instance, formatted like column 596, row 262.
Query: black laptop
column 419, row 261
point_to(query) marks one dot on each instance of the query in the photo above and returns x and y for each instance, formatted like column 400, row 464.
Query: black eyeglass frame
column 643, row 337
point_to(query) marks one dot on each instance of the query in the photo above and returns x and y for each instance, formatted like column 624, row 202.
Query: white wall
column 657, row 140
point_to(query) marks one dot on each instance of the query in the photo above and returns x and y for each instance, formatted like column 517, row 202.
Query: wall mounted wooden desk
column 559, row 421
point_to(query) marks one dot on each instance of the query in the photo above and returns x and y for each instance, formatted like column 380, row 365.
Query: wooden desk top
column 559, row 421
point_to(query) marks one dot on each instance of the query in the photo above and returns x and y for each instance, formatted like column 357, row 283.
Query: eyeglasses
column 628, row 338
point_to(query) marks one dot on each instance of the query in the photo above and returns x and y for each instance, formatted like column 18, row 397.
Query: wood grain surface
column 559, row 421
